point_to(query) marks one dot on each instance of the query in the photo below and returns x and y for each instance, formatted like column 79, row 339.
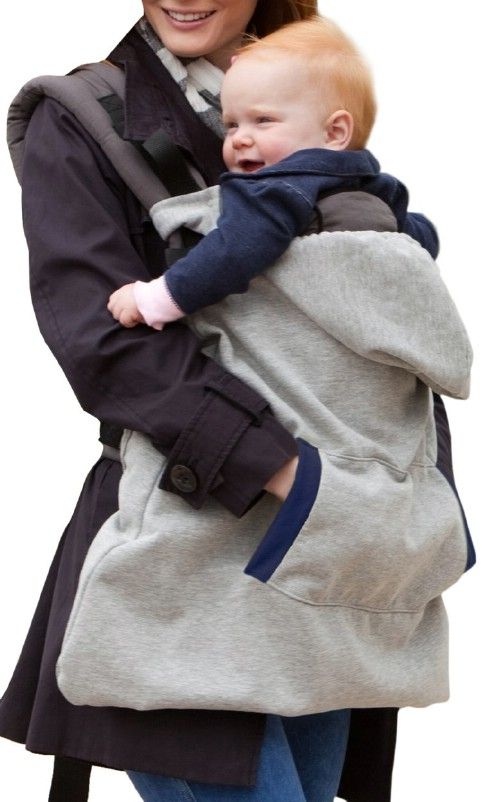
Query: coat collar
column 153, row 100
column 320, row 161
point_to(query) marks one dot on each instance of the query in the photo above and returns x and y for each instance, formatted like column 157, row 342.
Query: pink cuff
column 155, row 303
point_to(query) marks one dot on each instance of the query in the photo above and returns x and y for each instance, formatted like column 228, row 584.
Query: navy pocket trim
column 291, row 517
column 444, row 465
column 471, row 555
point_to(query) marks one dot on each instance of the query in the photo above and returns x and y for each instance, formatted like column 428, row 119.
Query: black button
column 183, row 479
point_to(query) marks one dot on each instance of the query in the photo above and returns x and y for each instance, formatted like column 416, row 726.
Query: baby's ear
column 338, row 130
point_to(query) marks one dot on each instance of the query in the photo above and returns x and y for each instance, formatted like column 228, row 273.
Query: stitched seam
column 148, row 788
column 188, row 791
column 183, row 790
column 352, row 458
column 361, row 607
column 366, row 459
column 297, row 191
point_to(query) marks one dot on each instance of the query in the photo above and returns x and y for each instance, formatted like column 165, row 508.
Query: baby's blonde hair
column 333, row 64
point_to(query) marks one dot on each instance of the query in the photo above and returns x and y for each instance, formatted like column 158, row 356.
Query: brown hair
column 272, row 14
column 333, row 64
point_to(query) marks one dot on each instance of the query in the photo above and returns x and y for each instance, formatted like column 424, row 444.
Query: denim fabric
column 301, row 761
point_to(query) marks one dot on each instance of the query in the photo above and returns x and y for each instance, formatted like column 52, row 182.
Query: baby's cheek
column 279, row 149
column 227, row 154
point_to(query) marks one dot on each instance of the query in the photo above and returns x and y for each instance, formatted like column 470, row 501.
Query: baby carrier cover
column 332, row 599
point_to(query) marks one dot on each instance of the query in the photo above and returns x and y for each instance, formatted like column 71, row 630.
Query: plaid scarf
column 199, row 80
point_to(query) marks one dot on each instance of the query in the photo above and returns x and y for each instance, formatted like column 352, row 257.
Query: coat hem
column 115, row 765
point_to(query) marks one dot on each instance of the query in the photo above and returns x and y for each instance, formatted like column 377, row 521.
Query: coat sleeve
column 159, row 383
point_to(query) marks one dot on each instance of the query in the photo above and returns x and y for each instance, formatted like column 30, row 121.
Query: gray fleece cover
column 345, row 336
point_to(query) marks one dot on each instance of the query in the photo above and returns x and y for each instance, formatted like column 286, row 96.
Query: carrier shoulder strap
column 94, row 94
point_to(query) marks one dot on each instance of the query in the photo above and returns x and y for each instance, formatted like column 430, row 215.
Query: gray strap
column 109, row 452
column 354, row 211
column 79, row 93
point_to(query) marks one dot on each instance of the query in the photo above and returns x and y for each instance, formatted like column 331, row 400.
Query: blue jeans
column 300, row 761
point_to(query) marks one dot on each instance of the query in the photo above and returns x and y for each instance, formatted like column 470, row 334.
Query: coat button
column 183, row 479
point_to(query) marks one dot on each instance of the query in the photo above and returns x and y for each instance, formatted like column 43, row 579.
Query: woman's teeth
column 180, row 17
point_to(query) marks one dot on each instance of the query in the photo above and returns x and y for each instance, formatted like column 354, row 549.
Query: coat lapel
column 153, row 101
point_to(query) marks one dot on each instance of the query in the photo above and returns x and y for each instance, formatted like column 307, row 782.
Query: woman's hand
column 281, row 483
column 122, row 305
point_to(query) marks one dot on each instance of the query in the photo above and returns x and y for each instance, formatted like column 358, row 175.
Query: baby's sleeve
column 259, row 219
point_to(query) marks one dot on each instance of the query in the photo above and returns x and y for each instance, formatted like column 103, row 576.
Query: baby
column 293, row 135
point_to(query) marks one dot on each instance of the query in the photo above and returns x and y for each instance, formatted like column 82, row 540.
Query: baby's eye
column 230, row 125
column 264, row 119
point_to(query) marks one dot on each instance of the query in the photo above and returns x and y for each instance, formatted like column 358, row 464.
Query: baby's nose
column 242, row 140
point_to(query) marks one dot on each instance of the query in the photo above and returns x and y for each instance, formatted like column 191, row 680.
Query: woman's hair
column 272, row 14
column 332, row 63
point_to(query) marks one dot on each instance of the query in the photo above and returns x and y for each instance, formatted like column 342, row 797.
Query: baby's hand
column 122, row 305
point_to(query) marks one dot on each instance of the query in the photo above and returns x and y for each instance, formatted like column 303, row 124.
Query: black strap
column 110, row 434
column 167, row 162
column 71, row 780
column 164, row 157
column 369, row 761
column 114, row 107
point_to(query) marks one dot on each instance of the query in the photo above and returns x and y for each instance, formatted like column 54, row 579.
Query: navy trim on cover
column 291, row 517
column 471, row 556
column 444, row 465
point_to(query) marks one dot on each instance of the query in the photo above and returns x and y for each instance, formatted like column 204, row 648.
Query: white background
column 431, row 70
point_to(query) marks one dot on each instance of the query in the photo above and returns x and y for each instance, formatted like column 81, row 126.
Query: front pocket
column 369, row 535
column 292, row 516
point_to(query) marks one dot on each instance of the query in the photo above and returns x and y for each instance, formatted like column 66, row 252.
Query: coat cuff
column 230, row 449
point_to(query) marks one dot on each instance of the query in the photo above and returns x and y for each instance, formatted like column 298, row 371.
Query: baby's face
column 269, row 112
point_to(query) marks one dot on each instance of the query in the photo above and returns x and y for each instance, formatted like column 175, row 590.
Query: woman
column 204, row 419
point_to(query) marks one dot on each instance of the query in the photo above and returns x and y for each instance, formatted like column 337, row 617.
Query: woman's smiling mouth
column 188, row 17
